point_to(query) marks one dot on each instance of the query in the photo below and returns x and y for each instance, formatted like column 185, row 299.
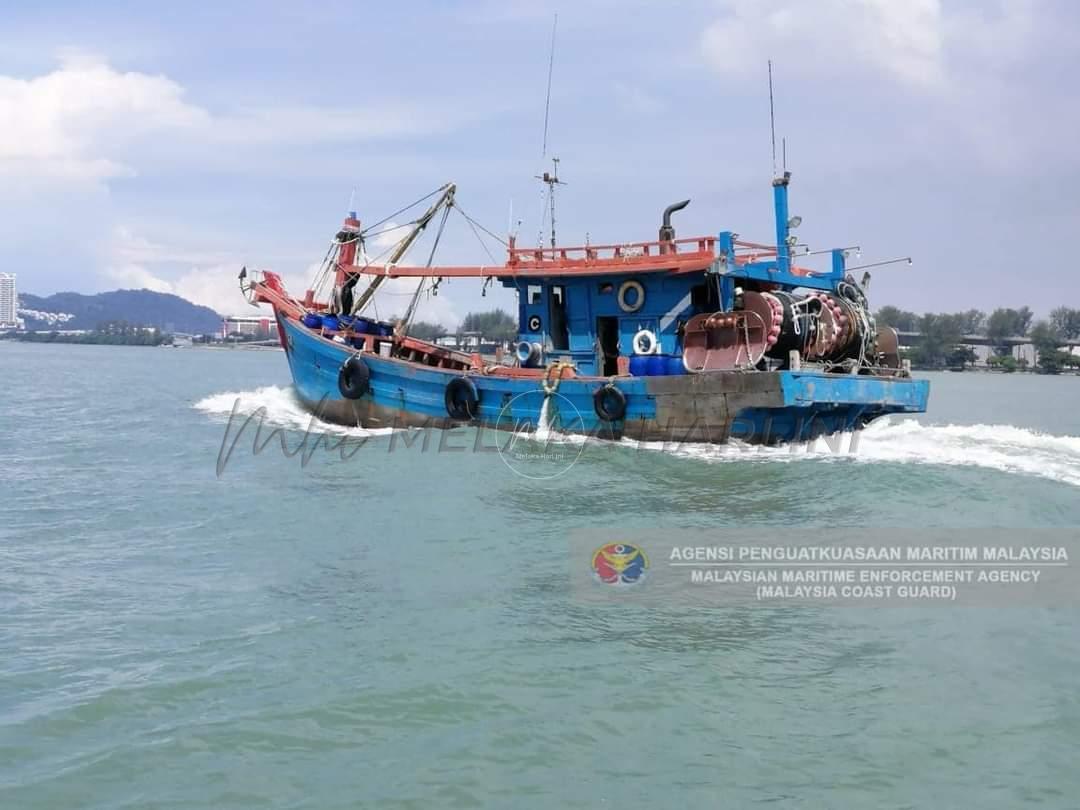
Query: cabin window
column 558, row 328
column 606, row 288
column 535, row 293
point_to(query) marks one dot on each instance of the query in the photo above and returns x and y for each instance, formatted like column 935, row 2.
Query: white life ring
column 645, row 342
column 639, row 301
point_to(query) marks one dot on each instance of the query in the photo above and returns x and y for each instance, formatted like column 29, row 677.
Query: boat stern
column 772, row 407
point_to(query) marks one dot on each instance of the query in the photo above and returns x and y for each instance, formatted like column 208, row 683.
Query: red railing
column 696, row 247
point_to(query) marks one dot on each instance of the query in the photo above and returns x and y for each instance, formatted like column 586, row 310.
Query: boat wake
column 279, row 407
column 1004, row 448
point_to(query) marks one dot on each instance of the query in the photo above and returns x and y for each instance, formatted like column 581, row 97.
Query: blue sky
column 164, row 145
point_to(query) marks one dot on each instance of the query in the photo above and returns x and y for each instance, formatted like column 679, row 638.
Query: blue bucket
column 639, row 365
column 330, row 322
column 311, row 320
column 674, row 365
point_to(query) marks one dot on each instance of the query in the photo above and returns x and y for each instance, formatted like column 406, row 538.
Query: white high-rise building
column 8, row 301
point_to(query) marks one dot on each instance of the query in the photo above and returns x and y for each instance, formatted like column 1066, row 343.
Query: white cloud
column 130, row 248
column 205, row 277
column 210, row 277
column 918, row 43
column 135, row 277
column 902, row 39
column 943, row 82
column 84, row 120
column 75, row 122
column 385, row 237
column 216, row 287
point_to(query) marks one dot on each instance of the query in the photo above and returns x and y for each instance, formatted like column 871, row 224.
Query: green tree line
column 109, row 333
column 943, row 333
column 497, row 324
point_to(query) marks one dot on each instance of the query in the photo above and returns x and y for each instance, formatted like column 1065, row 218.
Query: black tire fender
column 354, row 378
column 609, row 403
column 461, row 399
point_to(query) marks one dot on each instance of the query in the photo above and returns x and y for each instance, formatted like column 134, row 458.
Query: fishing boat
column 704, row 339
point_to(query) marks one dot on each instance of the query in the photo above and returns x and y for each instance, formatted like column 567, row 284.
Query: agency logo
column 620, row 564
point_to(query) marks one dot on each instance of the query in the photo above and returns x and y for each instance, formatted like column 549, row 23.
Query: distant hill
column 138, row 307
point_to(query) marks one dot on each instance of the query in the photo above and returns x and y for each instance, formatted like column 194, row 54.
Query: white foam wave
column 544, row 428
column 280, row 408
column 1005, row 448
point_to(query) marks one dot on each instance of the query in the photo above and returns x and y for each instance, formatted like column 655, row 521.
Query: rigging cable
column 411, row 311
column 384, row 220
column 476, row 224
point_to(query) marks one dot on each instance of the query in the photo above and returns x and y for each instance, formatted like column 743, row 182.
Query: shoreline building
column 9, row 302
column 258, row 327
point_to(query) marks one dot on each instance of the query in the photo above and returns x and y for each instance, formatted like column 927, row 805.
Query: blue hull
column 758, row 407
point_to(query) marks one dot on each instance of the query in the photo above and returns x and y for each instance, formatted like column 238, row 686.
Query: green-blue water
column 397, row 629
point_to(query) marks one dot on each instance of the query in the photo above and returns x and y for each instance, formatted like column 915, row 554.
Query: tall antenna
column 550, row 179
column 547, row 101
column 772, row 120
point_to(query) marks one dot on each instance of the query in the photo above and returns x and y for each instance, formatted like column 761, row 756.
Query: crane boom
column 447, row 199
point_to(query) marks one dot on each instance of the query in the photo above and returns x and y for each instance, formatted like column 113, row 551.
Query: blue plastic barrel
column 657, row 365
column 675, row 365
column 386, row 329
column 345, row 320
column 639, row 365
column 312, row 320
column 361, row 325
column 330, row 322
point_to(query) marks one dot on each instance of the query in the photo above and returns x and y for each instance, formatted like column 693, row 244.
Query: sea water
column 380, row 624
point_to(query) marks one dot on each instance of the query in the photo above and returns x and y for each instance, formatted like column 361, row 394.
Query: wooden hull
column 755, row 407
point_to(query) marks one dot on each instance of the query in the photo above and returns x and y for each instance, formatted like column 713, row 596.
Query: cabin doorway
column 607, row 339
column 558, row 328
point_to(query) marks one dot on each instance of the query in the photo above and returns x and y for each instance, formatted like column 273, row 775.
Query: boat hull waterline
column 755, row 407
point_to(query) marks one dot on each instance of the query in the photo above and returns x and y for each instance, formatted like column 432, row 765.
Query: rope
column 476, row 225
column 384, row 220
column 549, row 386
column 390, row 229
column 411, row 311
column 374, row 260
column 322, row 275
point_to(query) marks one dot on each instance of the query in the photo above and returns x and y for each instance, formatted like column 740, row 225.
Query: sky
column 165, row 145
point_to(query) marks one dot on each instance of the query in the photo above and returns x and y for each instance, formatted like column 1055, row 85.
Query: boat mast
column 447, row 199
column 551, row 179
